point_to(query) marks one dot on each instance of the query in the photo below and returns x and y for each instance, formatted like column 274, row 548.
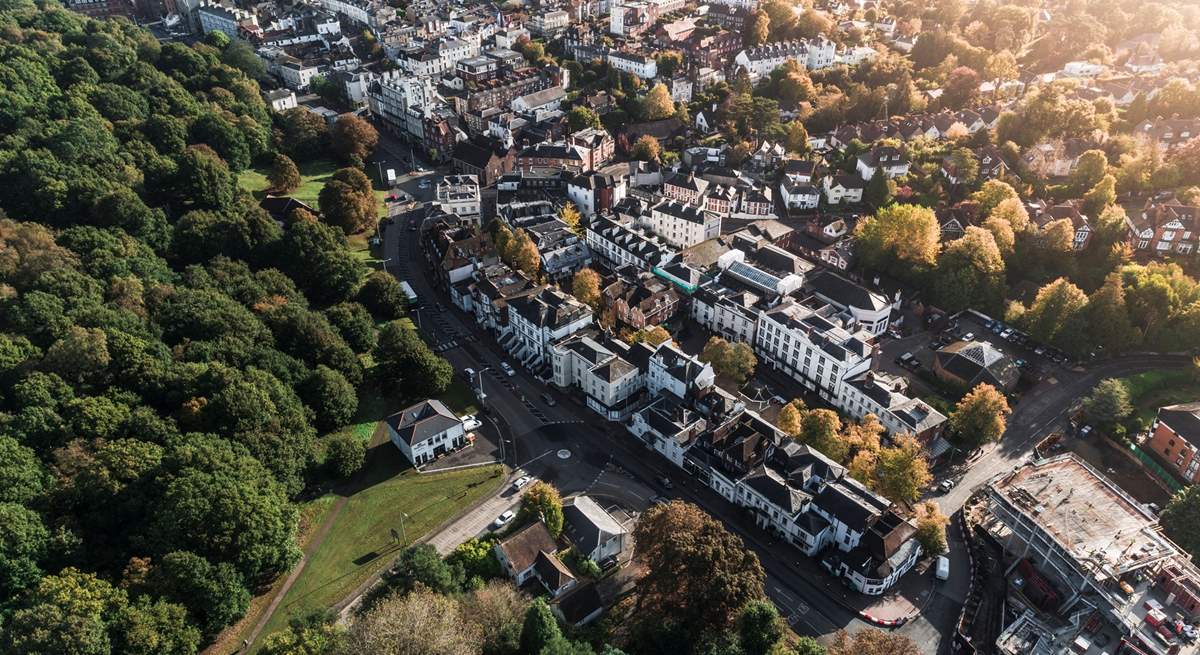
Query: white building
column 888, row 159
column 549, row 23
column 673, row 371
column 281, row 99
column 426, row 431
column 808, row 342
column 798, row 195
column 459, row 195
column 813, row 54
column 215, row 17
column 886, row 396
column 620, row 245
column 681, row 225
column 593, row 531
column 538, row 320
column 601, row 369
column 640, row 65
column 843, row 188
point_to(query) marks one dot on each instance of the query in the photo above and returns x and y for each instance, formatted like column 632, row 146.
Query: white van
column 943, row 568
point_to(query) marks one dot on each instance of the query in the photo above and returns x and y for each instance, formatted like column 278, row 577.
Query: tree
column 240, row 54
column 1108, row 404
column 658, row 104
column 585, row 286
column 524, row 255
column 477, row 559
column 646, row 148
column 797, row 138
column 354, row 323
column 302, row 133
column 215, row 595
column 330, row 396
column 24, row 541
column 1091, row 167
column 759, row 627
column 970, row 272
column 652, row 335
column 203, row 178
column 961, row 88
column 820, row 429
column 734, row 361
column 404, row 359
column 348, row 202
column 541, row 502
column 1011, row 211
column 383, row 296
column 582, row 117
column 421, row 567
column 1181, row 519
column 902, row 471
column 1002, row 234
column 569, row 214
column 497, row 610
column 807, row 646
column 353, row 138
column 698, row 574
column 758, row 30
column 1100, row 197
column 899, row 239
column 80, row 353
column 790, row 417
column 931, row 528
column 284, row 177
column 422, row 622
column 880, row 190
column 540, row 628
column 872, row 642
column 315, row 634
column 345, row 455
column 1107, row 317
column 22, row 476
column 980, row 416
column 991, row 194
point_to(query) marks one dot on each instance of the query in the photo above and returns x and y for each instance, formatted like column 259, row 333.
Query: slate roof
column 837, row 289
column 978, row 361
column 550, row 571
column 1184, row 419
column 580, row 604
column 548, row 308
column 423, row 421
column 523, row 547
column 587, row 525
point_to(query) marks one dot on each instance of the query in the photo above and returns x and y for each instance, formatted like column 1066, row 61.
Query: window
column 1167, row 235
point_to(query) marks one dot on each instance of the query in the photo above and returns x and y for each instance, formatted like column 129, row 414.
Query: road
column 564, row 445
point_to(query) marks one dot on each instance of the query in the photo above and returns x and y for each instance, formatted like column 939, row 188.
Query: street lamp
column 403, row 537
column 384, row 263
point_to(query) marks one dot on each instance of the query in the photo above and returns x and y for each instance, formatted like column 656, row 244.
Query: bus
column 413, row 300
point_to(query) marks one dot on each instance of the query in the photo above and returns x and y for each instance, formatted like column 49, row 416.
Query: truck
column 413, row 300
column 943, row 568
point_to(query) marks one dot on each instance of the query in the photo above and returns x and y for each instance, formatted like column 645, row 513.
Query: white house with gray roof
column 808, row 341
column 609, row 372
column 870, row 310
column 592, row 530
column 425, row 431
column 674, row 371
column 682, row 225
column 540, row 319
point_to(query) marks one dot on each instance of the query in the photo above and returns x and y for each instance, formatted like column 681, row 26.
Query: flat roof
column 1084, row 512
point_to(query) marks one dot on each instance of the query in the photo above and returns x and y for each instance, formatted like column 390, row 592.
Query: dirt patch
column 1107, row 457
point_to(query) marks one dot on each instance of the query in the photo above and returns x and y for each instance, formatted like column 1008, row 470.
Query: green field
column 359, row 544
column 313, row 175
column 1153, row 389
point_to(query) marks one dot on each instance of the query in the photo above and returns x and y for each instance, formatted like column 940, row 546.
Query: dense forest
column 170, row 355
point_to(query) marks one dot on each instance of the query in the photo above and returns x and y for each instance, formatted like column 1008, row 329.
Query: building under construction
column 1089, row 569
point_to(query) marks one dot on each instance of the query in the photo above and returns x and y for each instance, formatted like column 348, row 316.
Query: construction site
column 1087, row 568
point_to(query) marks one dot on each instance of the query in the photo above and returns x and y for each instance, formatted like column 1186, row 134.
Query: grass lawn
column 313, row 175
column 359, row 544
column 459, row 398
column 1153, row 389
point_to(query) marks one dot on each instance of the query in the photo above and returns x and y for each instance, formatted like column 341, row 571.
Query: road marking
column 801, row 608
column 784, row 594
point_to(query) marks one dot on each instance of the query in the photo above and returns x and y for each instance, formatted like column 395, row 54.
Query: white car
column 471, row 422
column 503, row 520
column 522, row 481
column 508, row 370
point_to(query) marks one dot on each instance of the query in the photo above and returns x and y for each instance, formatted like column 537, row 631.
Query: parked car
column 471, row 422
column 1039, row 351
column 504, row 519
column 658, row 500
column 549, row 400
column 988, row 324
column 904, row 359
column 998, row 327
column 1007, row 333
column 943, row 568
column 508, row 370
column 522, row 481
column 665, row 482
column 1021, row 363
column 468, row 374
column 946, row 485
column 608, row 563
column 970, row 336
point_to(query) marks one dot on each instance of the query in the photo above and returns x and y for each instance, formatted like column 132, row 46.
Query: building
column 868, row 310
column 843, row 189
column 644, row 302
column 807, row 341
column 673, row 371
column 798, row 195
column 1175, row 439
column 531, row 554
column 549, row 24
column 759, row 61
column 540, row 319
column 596, row 146
column 887, row 159
column 426, row 431
column 1165, row 228
column 595, row 192
column 886, row 396
column 459, row 195
column 1089, row 553
column 683, row 225
column 970, row 363
column 620, row 244
column 481, row 161
column 609, row 373
column 642, row 66
column 281, row 99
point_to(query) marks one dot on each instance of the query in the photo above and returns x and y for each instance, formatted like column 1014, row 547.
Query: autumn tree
column 541, row 501
column 758, row 30
column 790, row 417
column 1099, row 197
column 931, row 528
column 686, row 553
column 1057, row 316
column 821, row 429
column 658, row 104
column 1107, row 317
column 422, row 622
column 991, row 194
column 353, row 138
column 283, row 177
column 569, row 214
column 646, row 148
column 1013, row 212
column 899, row 238
column 872, row 642
column 585, row 286
column 582, row 117
column 735, row 361
column 523, row 254
column 347, row 201
column 970, row 272
column 902, row 470
column 652, row 335
column 980, row 416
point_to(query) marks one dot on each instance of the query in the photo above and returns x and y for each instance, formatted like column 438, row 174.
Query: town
column 834, row 327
